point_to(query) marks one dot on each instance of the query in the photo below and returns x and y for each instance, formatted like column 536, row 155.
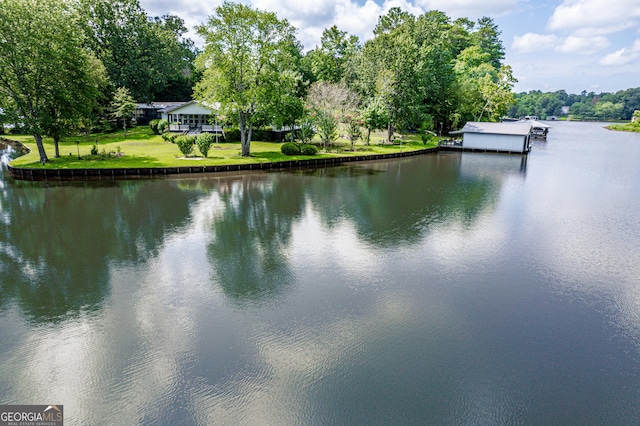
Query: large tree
column 144, row 55
column 328, row 102
column 45, row 71
column 246, row 51
column 328, row 61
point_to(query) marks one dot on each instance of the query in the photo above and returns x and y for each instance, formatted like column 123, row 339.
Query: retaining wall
column 155, row 172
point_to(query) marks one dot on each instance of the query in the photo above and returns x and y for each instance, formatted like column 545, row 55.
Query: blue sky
column 575, row 45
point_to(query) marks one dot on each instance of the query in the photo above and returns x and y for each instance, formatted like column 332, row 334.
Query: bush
column 307, row 149
column 290, row 148
column 204, row 142
column 163, row 126
column 264, row 135
column 170, row 137
column 232, row 135
column 153, row 124
column 185, row 144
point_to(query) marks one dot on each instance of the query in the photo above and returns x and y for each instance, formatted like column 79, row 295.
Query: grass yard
column 141, row 148
column 626, row 127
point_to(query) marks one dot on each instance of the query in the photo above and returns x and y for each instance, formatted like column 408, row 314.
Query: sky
column 571, row 45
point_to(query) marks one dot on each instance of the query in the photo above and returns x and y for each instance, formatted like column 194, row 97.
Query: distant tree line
column 605, row 106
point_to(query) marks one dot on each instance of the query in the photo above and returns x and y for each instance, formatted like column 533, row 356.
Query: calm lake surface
column 442, row 289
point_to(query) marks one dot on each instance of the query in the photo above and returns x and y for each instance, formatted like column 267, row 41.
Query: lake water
column 443, row 289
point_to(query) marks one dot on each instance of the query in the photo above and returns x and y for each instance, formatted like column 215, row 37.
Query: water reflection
column 249, row 250
column 57, row 241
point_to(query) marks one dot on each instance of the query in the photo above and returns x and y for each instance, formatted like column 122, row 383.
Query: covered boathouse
column 495, row 137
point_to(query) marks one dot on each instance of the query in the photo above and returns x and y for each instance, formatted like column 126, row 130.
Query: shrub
column 290, row 148
column 307, row 149
column 170, row 137
column 153, row 124
column 204, row 142
column 185, row 144
column 163, row 126
column 264, row 135
column 232, row 135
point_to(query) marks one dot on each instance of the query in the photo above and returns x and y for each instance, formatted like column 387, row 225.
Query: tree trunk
column 43, row 154
column 125, row 128
column 245, row 134
column 368, row 136
column 390, row 131
column 56, row 148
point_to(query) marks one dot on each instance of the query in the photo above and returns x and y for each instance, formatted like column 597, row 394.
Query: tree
column 328, row 101
column 245, row 52
column 123, row 106
column 46, row 71
column 71, row 111
column 354, row 132
column 328, row 61
column 373, row 118
column 487, row 37
column 144, row 55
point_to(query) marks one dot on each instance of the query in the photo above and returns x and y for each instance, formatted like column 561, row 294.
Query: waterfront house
column 151, row 111
column 496, row 137
column 189, row 116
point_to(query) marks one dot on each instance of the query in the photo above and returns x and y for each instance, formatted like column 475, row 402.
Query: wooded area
column 63, row 62
column 602, row 106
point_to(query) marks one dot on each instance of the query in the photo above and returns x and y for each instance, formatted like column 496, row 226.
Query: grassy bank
column 626, row 127
column 141, row 149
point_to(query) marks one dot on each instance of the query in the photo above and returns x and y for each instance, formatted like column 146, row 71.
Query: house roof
column 173, row 108
column 519, row 129
column 159, row 105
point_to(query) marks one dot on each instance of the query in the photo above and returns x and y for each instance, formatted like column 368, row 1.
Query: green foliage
column 142, row 54
column 354, row 132
column 290, row 148
column 163, row 126
column 153, row 125
column 374, row 117
column 307, row 131
column 265, row 135
column 246, row 54
column 327, row 125
column 185, row 144
column 47, row 76
column 123, row 106
column 232, row 135
column 619, row 105
column 307, row 149
column 170, row 137
column 204, row 142
column 328, row 61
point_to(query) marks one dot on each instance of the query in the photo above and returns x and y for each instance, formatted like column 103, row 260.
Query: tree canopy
column 46, row 74
column 248, row 56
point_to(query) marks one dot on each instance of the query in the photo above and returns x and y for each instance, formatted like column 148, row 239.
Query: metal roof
column 534, row 123
column 520, row 129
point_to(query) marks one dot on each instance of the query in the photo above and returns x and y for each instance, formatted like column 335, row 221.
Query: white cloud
column 595, row 16
column 470, row 8
column 311, row 19
column 623, row 56
column 583, row 45
column 531, row 42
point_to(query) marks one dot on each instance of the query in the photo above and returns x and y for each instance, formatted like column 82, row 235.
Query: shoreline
column 107, row 173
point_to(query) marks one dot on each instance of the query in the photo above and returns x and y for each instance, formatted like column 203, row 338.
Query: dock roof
column 520, row 129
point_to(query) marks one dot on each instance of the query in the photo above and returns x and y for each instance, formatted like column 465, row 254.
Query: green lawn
column 626, row 127
column 141, row 148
